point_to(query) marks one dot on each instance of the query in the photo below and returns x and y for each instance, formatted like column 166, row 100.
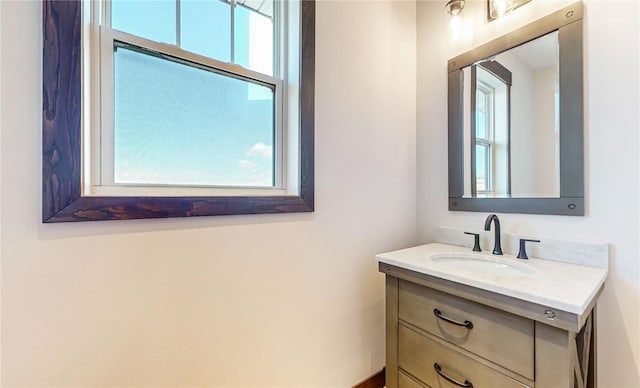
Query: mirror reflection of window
column 484, row 137
column 490, row 172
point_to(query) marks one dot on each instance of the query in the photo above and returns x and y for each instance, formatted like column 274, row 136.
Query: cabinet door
column 418, row 355
column 500, row 337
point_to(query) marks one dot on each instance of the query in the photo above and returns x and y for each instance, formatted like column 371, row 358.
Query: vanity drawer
column 418, row 354
column 500, row 337
column 405, row 381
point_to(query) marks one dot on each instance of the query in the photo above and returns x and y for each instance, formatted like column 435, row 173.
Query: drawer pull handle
column 466, row 384
column 466, row 324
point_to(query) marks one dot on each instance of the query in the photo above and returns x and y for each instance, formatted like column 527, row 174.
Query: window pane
column 151, row 19
column 482, row 116
column 481, row 125
column 480, row 99
column 482, row 168
column 206, row 28
column 180, row 125
column 253, row 33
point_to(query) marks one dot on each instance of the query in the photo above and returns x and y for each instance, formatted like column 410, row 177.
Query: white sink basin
column 482, row 263
column 554, row 284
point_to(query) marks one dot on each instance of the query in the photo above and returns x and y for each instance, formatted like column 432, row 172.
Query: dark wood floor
column 375, row 381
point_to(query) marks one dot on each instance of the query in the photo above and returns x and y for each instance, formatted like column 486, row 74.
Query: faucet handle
column 522, row 253
column 476, row 241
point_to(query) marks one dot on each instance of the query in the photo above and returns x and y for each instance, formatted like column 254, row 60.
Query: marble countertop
column 563, row 286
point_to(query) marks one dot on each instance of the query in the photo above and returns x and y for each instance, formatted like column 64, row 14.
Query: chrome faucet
column 497, row 249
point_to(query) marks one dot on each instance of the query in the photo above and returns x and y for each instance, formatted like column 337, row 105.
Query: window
column 491, row 160
column 186, row 116
column 188, row 95
column 484, row 145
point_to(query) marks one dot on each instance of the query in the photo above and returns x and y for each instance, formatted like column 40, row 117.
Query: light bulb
column 455, row 24
column 502, row 7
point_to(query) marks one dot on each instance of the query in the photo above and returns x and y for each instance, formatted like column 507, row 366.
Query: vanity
column 457, row 318
column 460, row 318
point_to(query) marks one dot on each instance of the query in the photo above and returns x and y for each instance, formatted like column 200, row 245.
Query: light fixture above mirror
column 454, row 7
column 499, row 8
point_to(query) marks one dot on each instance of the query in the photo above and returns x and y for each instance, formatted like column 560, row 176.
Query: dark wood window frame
column 62, row 199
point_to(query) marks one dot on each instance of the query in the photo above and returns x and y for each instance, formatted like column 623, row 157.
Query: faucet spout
column 497, row 248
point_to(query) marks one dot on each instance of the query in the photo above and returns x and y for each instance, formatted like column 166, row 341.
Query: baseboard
column 375, row 381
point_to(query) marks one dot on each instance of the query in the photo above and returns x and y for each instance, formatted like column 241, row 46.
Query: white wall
column 522, row 128
column 612, row 145
column 0, row 197
column 545, row 132
column 275, row 300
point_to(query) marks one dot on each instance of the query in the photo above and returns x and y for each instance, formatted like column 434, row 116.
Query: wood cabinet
column 444, row 334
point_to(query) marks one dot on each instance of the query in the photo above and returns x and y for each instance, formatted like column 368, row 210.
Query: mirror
column 511, row 135
column 516, row 121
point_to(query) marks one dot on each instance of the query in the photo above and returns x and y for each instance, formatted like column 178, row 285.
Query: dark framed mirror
column 516, row 139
